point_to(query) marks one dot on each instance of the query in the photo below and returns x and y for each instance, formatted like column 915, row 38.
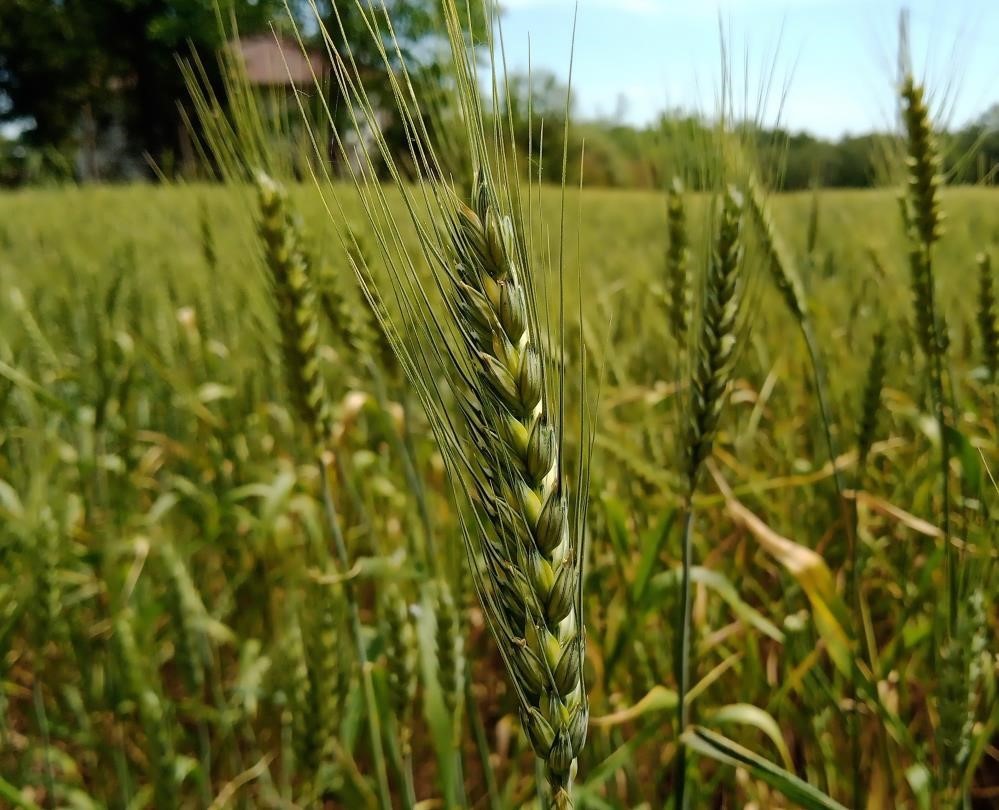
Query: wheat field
column 175, row 630
column 435, row 487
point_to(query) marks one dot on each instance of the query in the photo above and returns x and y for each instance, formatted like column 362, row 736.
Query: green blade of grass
column 720, row 748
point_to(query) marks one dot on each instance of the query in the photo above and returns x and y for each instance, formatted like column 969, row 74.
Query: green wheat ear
column 714, row 359
column 450, row 650
column 922, row 217
column 302, row 696
column 717, row 337
column 871, row 400
column 342, row 309
column 138, row 686
column 401, row 659
column 783, row 268
column 49, row 546
column 812, row 232
column 186, row 610
column 296, row 307
column 323, row 654
column 923, row 162
column 532, row 567
column 988, row 318
column 679, row 295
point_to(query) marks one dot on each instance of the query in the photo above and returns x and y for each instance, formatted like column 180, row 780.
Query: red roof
column 278, row 61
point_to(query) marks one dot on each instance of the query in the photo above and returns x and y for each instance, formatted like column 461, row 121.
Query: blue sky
column 830, row 61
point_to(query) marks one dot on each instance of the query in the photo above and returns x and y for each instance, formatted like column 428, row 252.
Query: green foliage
column 73, row 67
column 63, row 61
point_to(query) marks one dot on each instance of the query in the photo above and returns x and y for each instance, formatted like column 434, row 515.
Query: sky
column 824, row 66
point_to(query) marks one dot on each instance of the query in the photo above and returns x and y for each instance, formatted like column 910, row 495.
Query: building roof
column 278, row 61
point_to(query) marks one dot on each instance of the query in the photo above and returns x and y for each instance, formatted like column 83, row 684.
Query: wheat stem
column 714, row 359
column 923, row 218
column 482, row 744
column 682, row 800
column 371, row 703
column 298, row 321
column 865, row 436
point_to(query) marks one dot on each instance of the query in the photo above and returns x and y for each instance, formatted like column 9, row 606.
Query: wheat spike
column 922, row 219
column 300, row 689
column 717, row 337
column 137, row 682
column 186, row 608
column 714, row 360
column 401, row 660
column 988, row 318
column 923, row 162
column 531, row 568
column 371, row 312
column 871, row 400
column 783, row 268
column 296, row 307
column 678, row 261
column 49, row 593
column 450, row 648
column 342, row 314
column 323, row 666
column 499, row 421
column 812, row 232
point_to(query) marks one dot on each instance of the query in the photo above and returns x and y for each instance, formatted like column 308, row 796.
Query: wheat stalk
column 714, row 359
column 717, row 341
column 299, row 324
column 502, row 433
column 922, row 218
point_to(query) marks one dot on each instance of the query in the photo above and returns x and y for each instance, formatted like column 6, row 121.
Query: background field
column 153, row 485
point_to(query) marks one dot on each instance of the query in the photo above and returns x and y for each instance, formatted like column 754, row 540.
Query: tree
column 62, row 61
column 417, row 40
column 69, row 63
column 51, row 65
column 537, row 106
